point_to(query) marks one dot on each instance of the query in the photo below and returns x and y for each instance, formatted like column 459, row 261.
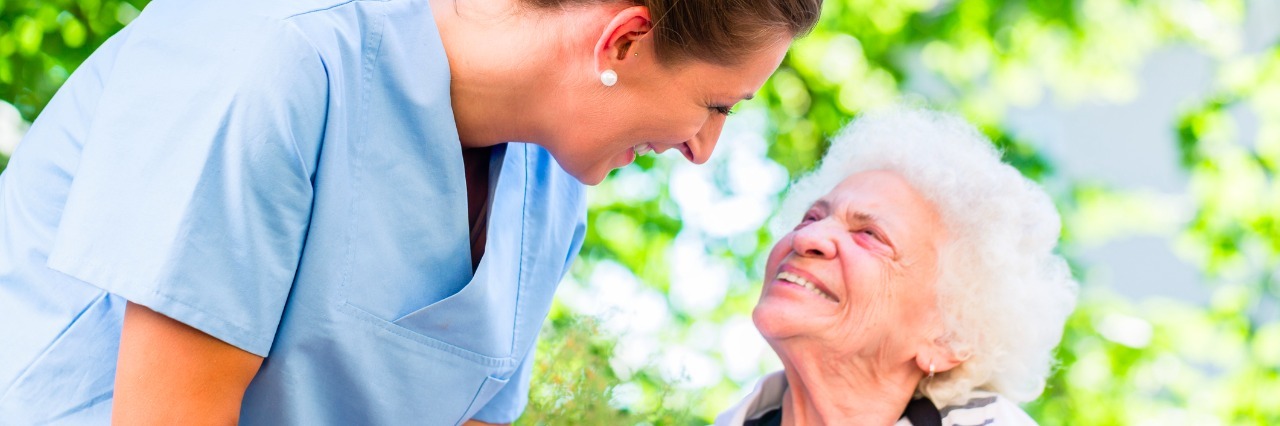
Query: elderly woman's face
column 856, row 276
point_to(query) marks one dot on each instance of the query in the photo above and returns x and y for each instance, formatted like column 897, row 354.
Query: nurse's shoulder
column 197, row 92
column 195, row 104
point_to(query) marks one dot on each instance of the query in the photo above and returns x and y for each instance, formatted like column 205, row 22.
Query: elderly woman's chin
column 919, row 285
column 773, row 323
column 779, row 317
column 782, row 319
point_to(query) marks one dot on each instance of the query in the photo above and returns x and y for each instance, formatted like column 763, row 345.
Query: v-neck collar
column 497, row 157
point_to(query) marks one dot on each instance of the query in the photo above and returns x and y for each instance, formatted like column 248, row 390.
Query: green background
column 1122, row 361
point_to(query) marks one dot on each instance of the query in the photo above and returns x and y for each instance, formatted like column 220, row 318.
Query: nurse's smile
column 625, row 158
column 683, row 148
column 648, row 148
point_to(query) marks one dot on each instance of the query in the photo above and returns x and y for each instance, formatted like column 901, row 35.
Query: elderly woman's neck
column 827, row 391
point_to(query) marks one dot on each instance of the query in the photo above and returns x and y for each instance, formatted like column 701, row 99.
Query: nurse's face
column 679, row 108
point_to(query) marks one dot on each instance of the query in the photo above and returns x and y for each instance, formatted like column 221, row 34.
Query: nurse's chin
column 591, row 173
column 592, row 176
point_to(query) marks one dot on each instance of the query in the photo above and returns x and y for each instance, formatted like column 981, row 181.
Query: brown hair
column 717, row 31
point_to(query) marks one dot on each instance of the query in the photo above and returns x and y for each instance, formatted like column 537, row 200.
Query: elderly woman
column 922, row 288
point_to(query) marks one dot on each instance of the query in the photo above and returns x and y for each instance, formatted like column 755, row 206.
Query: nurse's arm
column 170, row 373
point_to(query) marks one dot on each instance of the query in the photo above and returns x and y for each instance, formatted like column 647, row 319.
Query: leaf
column 73, row 33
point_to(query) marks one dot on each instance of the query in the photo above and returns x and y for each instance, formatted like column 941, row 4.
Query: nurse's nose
column 704, row 142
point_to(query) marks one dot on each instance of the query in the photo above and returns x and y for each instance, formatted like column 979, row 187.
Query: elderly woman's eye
column 870, row 233
column 808, row 218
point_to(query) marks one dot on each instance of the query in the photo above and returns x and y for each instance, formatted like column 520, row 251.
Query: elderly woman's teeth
column 800, row 281
column 642, row 149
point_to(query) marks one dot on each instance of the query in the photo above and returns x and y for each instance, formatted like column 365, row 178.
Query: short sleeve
column 194, row 187
column 510, row 402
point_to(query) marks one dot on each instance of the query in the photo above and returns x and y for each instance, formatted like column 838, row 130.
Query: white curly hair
column 1003, row 293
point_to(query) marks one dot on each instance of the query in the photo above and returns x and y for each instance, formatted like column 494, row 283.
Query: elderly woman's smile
column 788, row 274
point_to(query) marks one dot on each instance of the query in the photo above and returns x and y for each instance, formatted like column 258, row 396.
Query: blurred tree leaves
column 577, row 385
column 43, row 41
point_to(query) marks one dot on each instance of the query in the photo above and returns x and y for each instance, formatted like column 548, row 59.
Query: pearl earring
column 609, row 78
column 931, row 370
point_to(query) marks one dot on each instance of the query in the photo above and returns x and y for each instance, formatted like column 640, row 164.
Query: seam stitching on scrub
column 293, row 141
column 521, row 281
column 367, row 56
column 330, row 7
column 425, row 340
column 92, row 274
column 248, row 334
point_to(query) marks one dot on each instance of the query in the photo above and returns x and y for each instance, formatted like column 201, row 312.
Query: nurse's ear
column 618, row 44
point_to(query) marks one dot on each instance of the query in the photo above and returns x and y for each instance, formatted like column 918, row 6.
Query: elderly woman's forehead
column 874, row 182
column 880, row 190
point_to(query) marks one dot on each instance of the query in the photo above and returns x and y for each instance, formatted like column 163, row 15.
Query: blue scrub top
column 285, row 176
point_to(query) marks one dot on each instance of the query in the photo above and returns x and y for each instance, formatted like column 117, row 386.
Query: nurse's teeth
column 642, row 149
column 800, row 281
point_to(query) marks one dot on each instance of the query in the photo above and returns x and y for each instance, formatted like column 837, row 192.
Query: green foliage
column 42, row 41
column 1236, row 230
column 1165, row 362
column 575, row 384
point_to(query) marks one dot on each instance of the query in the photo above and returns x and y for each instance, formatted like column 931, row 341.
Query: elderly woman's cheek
column 779, row 251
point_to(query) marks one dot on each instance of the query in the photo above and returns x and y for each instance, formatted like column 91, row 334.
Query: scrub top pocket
column 423, row 380
column 473, row 313
column 488, row 389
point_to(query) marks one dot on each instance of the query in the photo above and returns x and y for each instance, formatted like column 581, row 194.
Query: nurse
column 308, row 212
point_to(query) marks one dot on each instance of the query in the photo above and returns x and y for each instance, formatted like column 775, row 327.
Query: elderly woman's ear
column 938, row 356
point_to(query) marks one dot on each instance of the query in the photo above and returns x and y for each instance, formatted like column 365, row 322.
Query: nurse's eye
column 723, row 110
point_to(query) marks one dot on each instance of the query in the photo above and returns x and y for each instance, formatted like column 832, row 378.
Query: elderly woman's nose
column 815, row 240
